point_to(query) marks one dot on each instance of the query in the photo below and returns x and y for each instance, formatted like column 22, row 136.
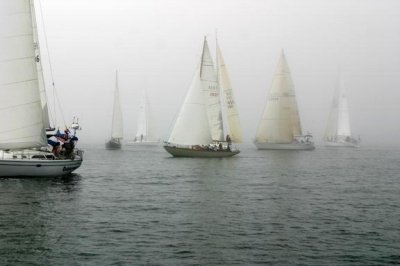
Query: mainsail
column 23, row 125
column 280, row 122
column 210, row 83
column 232, row 114
column 146, row 128
column 117, row 126
column 339, row 121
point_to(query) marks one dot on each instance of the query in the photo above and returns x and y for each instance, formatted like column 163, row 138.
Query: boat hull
column 38, row 168
column 341, row 144
column 143, row 143
column 112, row 145
column 186, row 152
column 285, row 146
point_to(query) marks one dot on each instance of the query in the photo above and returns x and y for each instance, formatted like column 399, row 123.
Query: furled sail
column 117, row 126
column 209, row 81
column 280, row 122
column 232, row 114
column 21, row 112
column 192, row 125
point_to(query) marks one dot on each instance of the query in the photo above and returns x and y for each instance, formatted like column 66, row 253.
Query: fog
column 156, row 44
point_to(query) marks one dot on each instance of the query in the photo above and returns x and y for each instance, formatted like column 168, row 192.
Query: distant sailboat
column 338, row 132
column 146, row 132
column 199, row 127
column 117, row 128
column 280, row 127
column 23, row 105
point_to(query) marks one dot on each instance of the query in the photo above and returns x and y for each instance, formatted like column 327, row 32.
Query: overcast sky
column 156, row 44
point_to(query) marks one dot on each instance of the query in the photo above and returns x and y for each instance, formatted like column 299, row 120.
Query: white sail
column 210, row 83
column 42, row 88
column 339, row 119
column 280, row 122
column 343, row 114
column 192, row 125
column 117, row 126
column 146, row 128
column 232, row 114
column 20, row 103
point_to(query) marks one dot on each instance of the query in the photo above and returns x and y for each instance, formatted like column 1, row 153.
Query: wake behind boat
column 23, row 102
column 199, row 127
column 280, row 127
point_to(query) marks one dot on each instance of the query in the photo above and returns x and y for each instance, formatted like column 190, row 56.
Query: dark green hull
column 186, row 152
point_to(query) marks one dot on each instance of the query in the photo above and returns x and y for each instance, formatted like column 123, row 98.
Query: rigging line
column 55, row 94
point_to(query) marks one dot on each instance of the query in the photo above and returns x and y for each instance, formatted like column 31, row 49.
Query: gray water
column 143, row 207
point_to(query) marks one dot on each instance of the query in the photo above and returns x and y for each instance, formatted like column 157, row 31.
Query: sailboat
column 338, row 132
column 280, row 127
column 23, row 105
column 199, row 127
column 146, row 132
column 117, row 133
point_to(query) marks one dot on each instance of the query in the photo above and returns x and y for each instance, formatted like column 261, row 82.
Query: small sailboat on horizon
column 24, row 148
column 199, row 127
column 338, row 131
column 146, row 132
column 117, row 133
column 280, row 127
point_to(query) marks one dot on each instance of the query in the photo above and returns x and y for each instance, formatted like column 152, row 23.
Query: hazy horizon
column 156, row 44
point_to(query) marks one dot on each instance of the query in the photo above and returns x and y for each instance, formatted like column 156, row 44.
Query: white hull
column 284, row 146
column 341, row 144
column 38, row 168
column 143, row 143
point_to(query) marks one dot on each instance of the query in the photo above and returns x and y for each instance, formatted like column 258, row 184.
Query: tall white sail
column 280, row 122
column 343, row 113
column 192, row 125
column 42, row 88
column 210, row 83
column 21, row 114
column 117, row 126
column 232, row 114
column 339, row 121
column 146, row 127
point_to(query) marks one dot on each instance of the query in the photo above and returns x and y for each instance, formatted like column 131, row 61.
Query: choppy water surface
column 138, row 206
